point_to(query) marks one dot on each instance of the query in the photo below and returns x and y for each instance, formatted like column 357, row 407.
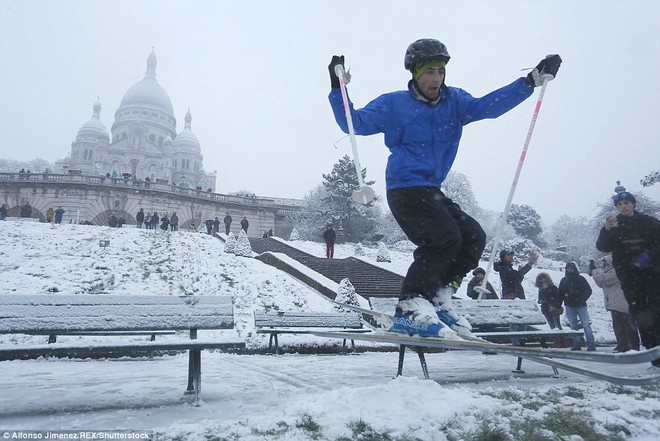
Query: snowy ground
column 290, row 397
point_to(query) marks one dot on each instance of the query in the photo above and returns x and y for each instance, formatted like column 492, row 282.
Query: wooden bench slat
column 307, row 320
column 54, row 315
column 114, row 313
column 108, row 299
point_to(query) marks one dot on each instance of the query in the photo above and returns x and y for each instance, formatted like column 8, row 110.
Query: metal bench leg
column 197, row 376
column 52, row 338
column 544, row 344
column 194, row 374
column 402, row 354
column 518, row 369
column 191, row 373
column 277, row 345
column 422, row 361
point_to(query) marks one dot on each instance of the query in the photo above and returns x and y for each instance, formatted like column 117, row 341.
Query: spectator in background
column 139, row 218
column 476, row 281
column 154, row 220
column 550, row 300
column 59, row 214
column 245, row 224
column 216, row 225
column 3, row 212
column 625, row 330
column 209, row 226
column 512, row 279
column 227, row 220
column 633, row 239
column 575, row 291
column 26, row 210
column 174, row 222
column 165, row 223
column 329, row 236
column 49, row 214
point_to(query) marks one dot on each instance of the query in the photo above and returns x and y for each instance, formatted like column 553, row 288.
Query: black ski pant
column 640, row 287
column 449, row 242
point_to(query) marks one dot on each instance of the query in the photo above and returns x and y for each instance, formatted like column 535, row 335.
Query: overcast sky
column 254, row 74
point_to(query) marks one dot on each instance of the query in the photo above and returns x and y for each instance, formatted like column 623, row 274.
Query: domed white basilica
column 144, row 140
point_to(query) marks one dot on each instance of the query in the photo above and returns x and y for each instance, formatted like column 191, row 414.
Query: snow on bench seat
column 103, row 314
column 294, row 322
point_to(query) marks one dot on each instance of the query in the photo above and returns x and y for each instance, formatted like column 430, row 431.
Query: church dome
column 148, row 92
column 93, row 128
column 187, row 140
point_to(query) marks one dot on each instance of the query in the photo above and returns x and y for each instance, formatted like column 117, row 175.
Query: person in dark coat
column 209, row 226
column 575, row 290
column 26, row 210
column 227, row 220
column 165, row 223
column 633, row 239
column 512, row 279
column 3, row 212
column 329, row 236
column 216, row 225
column 245, row 224
column 139, row 218
column 155, row 220
column 477, row 279
column 550, row 300
column 59, row 214
column 174, row 222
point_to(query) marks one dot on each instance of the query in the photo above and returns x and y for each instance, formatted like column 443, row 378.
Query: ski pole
column 364, row 194
column 481, row 289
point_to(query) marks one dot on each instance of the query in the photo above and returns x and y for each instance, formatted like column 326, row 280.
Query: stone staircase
column 368, row 280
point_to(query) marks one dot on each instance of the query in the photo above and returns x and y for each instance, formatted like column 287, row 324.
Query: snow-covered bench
column 97, row 315
column 293, row 322
column 519, row 322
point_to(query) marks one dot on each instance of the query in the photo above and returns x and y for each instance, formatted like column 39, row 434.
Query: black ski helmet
column 423, row 50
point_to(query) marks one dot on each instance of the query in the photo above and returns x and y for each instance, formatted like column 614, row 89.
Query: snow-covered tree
column 357, row 220
column 651, row 179
column 36, row 165
column 359, row 250
column 526, row 222
column 458, row 188
column 346, row 294
column 310, row 220
column 230, row 243
column 243, row 247
column 294, row 235
column 387, row 226
column 383, row 253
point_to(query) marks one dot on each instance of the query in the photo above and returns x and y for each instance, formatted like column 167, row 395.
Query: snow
column 262, row 396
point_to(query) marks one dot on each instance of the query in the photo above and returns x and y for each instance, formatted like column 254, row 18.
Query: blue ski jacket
column 423, row 137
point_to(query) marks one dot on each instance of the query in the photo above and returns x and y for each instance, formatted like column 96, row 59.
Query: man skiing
column 422, row 128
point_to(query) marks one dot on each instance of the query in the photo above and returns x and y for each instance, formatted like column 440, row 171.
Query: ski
column 641, row 380
column 533, row 354
column 477, row 343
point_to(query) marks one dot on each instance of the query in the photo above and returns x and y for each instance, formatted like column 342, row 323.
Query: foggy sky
column 254, row 74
